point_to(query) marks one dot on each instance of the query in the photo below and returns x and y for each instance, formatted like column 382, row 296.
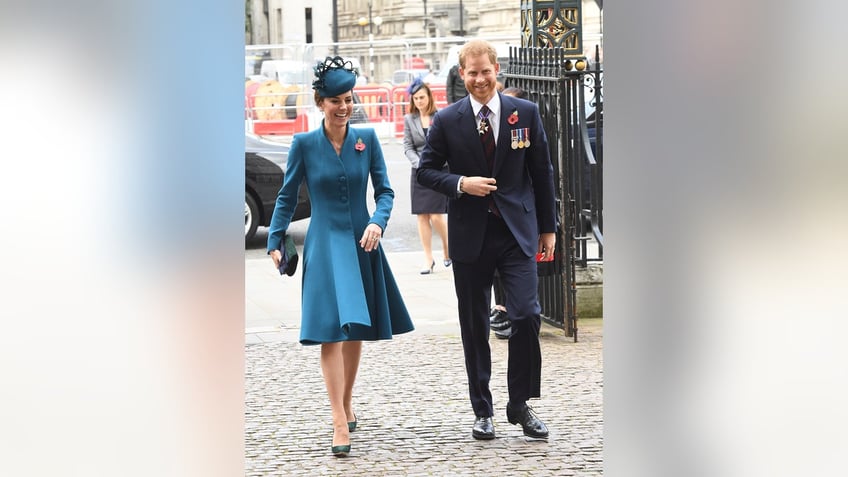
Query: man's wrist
column 459, row 186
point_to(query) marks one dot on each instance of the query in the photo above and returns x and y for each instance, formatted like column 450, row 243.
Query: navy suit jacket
column 525, row 195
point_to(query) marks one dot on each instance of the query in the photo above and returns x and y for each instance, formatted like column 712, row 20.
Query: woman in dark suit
column 430, row 206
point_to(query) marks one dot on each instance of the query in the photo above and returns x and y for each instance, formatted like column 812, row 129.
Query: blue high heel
column 351, row 425
column 428, row 271
column 448, row 262
column 341, row 451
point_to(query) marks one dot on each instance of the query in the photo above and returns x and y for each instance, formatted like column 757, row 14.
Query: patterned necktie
column 487, row 138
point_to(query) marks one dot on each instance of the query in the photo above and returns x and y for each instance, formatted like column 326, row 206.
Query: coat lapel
column 417, row 127
column 504, row 134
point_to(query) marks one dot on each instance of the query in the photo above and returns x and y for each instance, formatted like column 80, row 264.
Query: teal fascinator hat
column 334, row 76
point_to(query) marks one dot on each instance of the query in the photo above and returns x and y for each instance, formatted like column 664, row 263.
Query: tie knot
column 484, row 112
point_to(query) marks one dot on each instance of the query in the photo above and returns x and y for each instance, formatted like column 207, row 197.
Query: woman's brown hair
column 431, row 107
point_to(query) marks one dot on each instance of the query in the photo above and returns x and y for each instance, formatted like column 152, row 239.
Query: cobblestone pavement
column 415, row 419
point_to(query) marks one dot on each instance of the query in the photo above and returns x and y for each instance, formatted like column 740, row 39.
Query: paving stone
column 414, row 414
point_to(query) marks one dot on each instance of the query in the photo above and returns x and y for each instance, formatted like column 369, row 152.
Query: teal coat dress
column 348, row 294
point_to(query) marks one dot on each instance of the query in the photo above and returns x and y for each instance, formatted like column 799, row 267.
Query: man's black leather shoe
column 484, row 429
column 531, row 424
column 498, row 319
column 499, row 323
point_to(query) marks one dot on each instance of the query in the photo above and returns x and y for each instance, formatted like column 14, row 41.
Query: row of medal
column 520, row 138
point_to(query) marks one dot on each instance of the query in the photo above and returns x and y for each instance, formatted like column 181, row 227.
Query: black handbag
column 288, row 263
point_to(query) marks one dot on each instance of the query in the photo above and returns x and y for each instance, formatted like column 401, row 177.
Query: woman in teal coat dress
column 349, row 292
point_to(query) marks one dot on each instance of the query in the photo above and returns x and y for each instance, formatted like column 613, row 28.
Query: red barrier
column 249, row 91
column 440, row 95
column 381, row 104
column 415, row 63
column 400, row 103
column 376, row 102
column 400, row 106
column 284, row 127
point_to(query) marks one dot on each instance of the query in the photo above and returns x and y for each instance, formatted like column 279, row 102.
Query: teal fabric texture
column 348, row 294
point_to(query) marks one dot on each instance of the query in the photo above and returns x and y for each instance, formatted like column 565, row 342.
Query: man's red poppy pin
column 513, row 118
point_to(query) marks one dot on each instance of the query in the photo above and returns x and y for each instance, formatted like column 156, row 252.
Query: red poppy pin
column 360, row 146
column 513, row 118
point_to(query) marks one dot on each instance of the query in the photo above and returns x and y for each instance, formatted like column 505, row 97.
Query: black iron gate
column 571, row 106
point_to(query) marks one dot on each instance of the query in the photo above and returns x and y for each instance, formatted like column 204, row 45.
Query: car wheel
column 251, row 217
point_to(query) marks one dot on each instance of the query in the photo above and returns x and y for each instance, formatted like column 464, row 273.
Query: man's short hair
column 477, row 48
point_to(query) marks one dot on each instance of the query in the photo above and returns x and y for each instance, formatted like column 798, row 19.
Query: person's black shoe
column 530, row 424
column 484, row 429
column 498, row 320
column 499, row 324
column 496, row 314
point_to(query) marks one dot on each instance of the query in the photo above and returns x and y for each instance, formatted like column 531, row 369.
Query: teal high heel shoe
column 344, row 449
column 428, row 271
column 341, row 451
column 351, row 425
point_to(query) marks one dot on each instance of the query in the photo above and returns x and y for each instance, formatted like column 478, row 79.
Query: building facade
column 387, row 35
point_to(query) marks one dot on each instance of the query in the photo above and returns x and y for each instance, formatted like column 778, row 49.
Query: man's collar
column 494, row 104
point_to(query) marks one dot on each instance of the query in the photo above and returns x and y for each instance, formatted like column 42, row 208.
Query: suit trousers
column 473, row 282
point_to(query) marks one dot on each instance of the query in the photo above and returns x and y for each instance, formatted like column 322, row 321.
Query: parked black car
column 264, row 170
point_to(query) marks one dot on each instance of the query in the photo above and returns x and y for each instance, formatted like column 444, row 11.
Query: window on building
column 309, row 25
column 279, row 32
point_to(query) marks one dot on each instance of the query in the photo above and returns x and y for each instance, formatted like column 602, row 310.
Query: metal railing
column 559, row 83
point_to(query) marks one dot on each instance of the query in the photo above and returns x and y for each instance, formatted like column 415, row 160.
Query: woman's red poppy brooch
column 360, row 146
column 513, row 118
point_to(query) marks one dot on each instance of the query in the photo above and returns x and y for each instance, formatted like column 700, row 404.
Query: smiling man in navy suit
column 501, row 213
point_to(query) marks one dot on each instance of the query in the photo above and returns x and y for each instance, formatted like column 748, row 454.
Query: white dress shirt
column 494, row 105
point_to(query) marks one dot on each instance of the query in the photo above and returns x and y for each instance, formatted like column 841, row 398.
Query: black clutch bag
column 288, row 264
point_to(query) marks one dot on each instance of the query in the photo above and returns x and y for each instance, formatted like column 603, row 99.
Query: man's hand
column 479, row 186
column 547, row 241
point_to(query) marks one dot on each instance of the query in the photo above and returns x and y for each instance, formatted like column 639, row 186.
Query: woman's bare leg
column 441, row 227
column 351, row 352
column 333, row 369
column 425, row 233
